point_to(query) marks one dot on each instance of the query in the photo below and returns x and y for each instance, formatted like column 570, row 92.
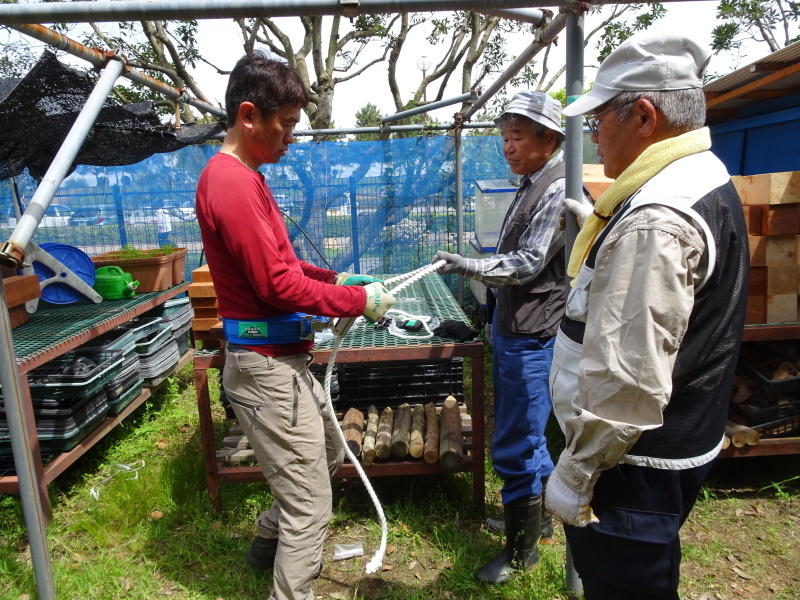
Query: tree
column 773, row 22
column 368, row 116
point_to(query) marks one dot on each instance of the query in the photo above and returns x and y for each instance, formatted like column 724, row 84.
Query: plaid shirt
column 538, row 245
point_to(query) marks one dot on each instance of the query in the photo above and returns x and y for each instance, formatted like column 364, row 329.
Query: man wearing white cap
column 645, row 355
column 527, row 278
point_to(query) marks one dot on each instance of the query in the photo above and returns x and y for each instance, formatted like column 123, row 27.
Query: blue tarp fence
column 363, row 207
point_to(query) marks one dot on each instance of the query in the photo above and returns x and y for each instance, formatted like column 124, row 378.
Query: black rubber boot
column 498, row 526
column 261, row 553
column 522, row 523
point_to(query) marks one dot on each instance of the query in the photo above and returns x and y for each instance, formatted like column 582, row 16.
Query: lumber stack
column 203, row 298
column 595, row 180
column 18, row 290
column 771, row 204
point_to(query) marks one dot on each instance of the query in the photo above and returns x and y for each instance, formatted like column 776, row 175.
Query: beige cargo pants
column 282, row 410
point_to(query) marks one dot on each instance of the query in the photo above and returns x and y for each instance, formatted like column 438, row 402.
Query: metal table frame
column 216, row 472
column 53, row 346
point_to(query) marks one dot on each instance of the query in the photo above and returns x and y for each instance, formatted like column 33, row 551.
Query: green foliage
column 759, row 20
column 368, row 115
column 620, row 30
column 16, row 59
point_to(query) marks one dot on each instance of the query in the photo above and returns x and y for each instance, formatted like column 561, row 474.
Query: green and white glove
column 350, row 279
column 570, row 506
column 378, row 301
column 455, row 263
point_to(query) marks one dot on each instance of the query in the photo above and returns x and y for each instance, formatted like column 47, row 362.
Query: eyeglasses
column 592, row 122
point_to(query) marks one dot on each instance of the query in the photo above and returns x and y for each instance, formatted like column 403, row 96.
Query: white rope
column 377, row 559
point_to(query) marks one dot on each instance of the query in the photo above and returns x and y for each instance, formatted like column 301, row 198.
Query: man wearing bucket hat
column 527, row 286
column 645, row 355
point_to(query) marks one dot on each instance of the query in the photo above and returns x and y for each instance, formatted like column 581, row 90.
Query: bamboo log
column 430, row 451
column 353, row 429
column 451, row 454
column 368, row 450
column 417, row 445
column 383, row 441
column 741, row 435
column 401, row 432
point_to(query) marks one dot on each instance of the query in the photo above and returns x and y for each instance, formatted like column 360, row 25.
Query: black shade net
column 38, row 110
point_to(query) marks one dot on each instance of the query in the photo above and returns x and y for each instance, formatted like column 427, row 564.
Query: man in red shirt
column 264, row 293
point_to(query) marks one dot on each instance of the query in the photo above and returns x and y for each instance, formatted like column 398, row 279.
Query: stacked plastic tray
column 178, row 314
column 120, row 387
column 390, row 383
column 69, row 397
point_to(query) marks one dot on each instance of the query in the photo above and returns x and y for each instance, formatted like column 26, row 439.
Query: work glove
column 581, row 208
column 378, row 301
column 455, row 263
column 570, row 506
column 350, row 279
column 455, row 329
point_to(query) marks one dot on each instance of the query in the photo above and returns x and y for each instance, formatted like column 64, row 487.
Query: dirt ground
column 741, row 541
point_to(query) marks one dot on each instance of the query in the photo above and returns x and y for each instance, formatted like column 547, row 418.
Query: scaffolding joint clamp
column 12, row 255
column 115, row 54
column 350, row 8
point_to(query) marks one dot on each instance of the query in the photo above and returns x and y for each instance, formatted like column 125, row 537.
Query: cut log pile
column 408, row 432
column 771, row 204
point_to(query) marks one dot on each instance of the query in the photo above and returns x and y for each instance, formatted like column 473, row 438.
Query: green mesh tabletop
column 56, row 328
column 427, row 297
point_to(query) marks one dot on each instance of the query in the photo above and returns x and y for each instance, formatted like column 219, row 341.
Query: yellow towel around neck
column 641, row 170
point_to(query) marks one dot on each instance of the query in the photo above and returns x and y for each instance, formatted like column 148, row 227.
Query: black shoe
column 522, row 522
column 261, row 553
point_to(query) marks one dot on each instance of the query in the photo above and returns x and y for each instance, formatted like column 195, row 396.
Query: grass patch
column 151, row 533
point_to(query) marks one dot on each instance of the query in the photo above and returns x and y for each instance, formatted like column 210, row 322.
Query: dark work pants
column 634, row 552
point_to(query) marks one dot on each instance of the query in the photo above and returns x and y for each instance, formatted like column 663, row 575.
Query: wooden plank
column 758, row 281
column 780, row 250
column 200, row 302
column 21, row 288
column 758, row 250
column 204, row 324
column 782, row 219
column 781, row 279
column 202, row 275
column 769, row 188
column 201, row 312
column 782, row 308
column 202, row 290
column 756, row 310
column 752, row 219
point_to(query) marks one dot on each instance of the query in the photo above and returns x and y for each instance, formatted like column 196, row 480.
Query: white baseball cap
column 538, row 107
column 651, row 60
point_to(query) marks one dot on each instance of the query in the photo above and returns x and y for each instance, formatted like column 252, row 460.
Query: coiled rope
column 412, row 277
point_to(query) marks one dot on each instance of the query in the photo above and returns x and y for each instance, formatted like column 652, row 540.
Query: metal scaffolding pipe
column 14, row 250
column 525, row 15
column 390, row 129
column 429, row 107
column 98, row 59
column 573, row 157
column 136, row 10
column 459, row 210
column 546, row 36
column 14, row 253
column 35, row 522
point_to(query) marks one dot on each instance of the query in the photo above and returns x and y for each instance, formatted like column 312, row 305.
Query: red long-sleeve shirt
column 255, row 270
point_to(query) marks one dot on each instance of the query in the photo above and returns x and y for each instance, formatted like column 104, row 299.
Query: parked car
column 140, row 217
column 94, row 214
column 182, row 211
column 57, row 215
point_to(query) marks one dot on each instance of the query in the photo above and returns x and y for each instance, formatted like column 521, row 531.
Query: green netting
column 427, row 297
column 53, row 324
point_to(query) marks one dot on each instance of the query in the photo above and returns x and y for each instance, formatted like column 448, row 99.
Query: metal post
column 35, row 521
column 573, row 156
column 123, row 233
column 386, row 129
column 13, row 251
column 354, row 229
column 9, row 376
column 459, row 205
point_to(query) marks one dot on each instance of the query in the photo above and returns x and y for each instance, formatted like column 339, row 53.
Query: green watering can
column 112, row 283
